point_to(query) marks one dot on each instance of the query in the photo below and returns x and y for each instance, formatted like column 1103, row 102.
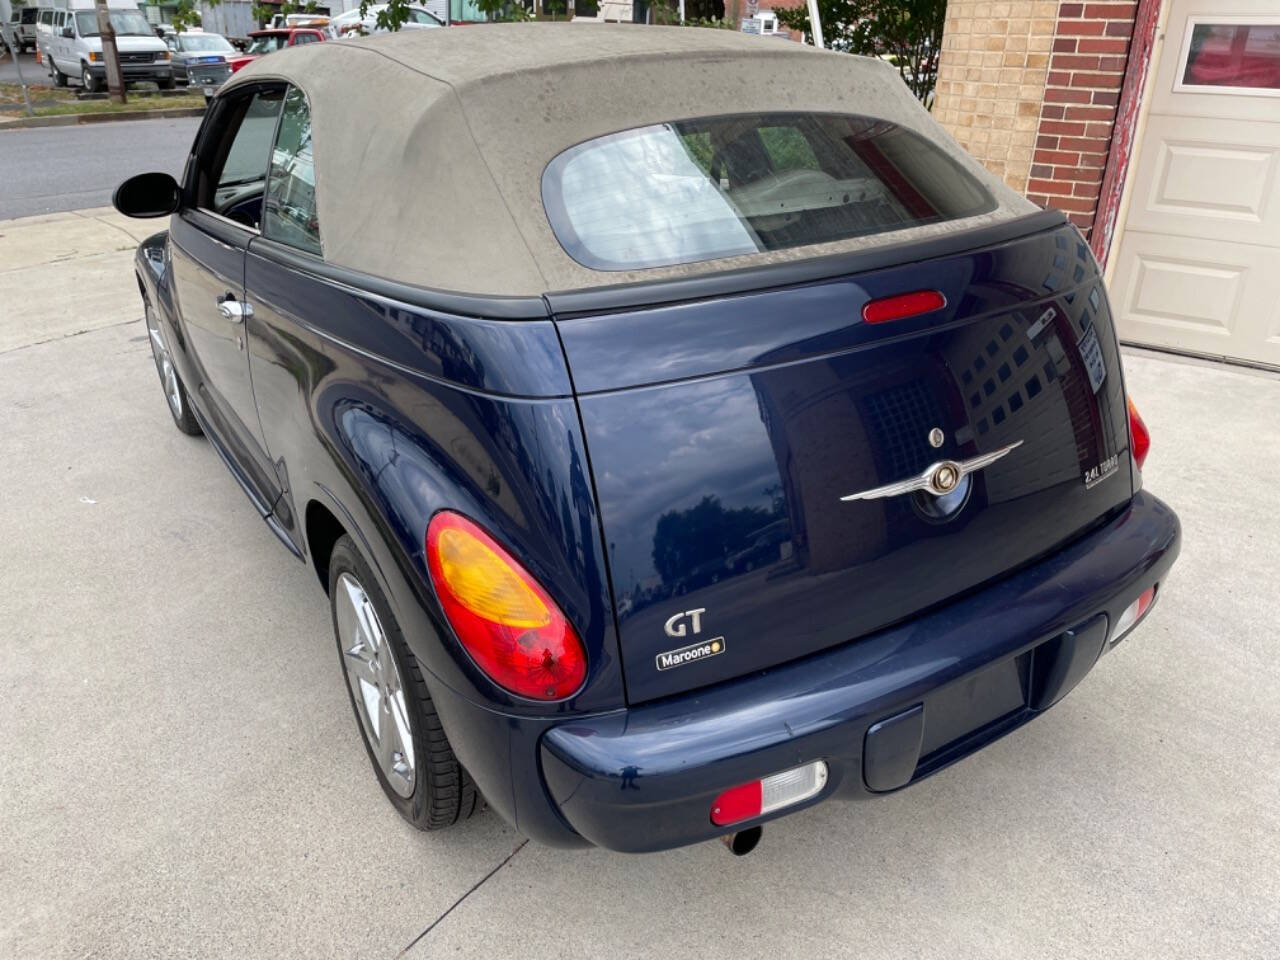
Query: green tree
column 186, row 16
column 502, row 11
column 907, row 32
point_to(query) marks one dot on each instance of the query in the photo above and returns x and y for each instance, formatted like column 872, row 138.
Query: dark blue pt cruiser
column 684, row 429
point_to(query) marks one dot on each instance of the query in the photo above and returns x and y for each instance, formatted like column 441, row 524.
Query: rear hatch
column 726, row 432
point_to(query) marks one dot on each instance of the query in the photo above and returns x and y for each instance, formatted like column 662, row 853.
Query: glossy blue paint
column 644, row 779
column 380, row 405
column 720, row 488
column 395, row 438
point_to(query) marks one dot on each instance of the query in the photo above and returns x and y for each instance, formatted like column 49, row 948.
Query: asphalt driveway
column 180, row 773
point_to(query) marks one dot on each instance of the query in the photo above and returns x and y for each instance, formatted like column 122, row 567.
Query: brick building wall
column 1061, row 67
column 991, row 80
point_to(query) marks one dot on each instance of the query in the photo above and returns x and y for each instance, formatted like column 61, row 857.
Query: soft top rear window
column 693, row 190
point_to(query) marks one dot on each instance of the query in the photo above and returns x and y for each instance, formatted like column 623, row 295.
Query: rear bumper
column 949, row 682
column 136, row 71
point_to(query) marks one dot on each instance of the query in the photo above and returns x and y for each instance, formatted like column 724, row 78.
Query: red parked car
column 263, row 42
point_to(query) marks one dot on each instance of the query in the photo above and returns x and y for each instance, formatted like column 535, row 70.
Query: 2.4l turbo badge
column 695, row 651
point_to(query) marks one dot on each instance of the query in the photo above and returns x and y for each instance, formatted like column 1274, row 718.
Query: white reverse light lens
column 792, row 786
column 1133, row 613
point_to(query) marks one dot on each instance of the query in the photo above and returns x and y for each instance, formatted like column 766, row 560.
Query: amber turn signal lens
column 507, row 622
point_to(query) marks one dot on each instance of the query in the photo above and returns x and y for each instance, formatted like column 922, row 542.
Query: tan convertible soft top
column 429, row 145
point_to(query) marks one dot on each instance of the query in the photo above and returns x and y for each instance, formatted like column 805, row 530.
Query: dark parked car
column 673, row 296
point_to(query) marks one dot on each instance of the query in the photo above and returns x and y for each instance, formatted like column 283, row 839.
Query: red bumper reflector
column 738, row 804
column 903, row 305
column 749, row 800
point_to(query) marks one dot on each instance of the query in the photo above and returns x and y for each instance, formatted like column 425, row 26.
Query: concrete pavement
column 66, row 273
column 181, row 775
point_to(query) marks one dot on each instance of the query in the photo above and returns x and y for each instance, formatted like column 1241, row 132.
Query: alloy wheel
column 164, row 366
column 375, row 684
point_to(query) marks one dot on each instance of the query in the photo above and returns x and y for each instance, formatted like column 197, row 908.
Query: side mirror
column 148, row 195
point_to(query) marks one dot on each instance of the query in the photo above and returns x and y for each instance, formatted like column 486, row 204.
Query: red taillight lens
column 513, row 630
column 903, row 305
column 1139, row 436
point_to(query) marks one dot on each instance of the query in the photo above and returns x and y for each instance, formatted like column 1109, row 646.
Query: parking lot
column 181, row 774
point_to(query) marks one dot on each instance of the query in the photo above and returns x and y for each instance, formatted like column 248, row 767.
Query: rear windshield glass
column 701, row 189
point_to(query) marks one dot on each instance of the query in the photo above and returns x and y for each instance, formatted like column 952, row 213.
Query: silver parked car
column 350, row 23
column 201, row 59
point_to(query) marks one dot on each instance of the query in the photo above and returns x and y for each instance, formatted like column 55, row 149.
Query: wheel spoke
column 360, row 663
column 375, row 682
column 404, row 735
column 388, row 738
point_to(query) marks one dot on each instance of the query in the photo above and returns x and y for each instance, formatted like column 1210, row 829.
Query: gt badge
column 676, row 627
column 695, row 651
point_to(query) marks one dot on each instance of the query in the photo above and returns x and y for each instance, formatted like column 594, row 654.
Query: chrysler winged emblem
column 938, row 479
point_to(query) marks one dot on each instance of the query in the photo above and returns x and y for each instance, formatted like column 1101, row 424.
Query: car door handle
column 233, row 310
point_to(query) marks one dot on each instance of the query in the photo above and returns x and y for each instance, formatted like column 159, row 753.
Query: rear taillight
column 902, row 306
column 513, row 630
column 1139, row 436
column 1133, row 613
column 758, row 797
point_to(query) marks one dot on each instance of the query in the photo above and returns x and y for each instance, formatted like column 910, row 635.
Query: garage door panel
column 1210, row 179
column 1193, row 294
column 1197, row 261
column 1182, row 292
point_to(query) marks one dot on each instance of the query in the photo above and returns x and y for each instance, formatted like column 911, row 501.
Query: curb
column 74, row 119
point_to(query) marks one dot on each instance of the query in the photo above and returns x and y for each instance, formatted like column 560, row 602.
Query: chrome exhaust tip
column 742, row 842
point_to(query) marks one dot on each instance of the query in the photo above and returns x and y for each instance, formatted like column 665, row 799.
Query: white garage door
column 1198, row 262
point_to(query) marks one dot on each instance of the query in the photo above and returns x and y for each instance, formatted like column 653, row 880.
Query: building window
column 1228, row 55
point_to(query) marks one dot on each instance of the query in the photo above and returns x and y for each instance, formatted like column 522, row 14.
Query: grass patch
column 49, row 101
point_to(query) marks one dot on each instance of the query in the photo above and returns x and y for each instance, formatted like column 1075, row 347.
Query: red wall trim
column 1126, row 125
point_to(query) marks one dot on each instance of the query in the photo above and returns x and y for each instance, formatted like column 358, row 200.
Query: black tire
column 165, row 83
column 90, row 82
column 443, row 791
column 184, row 417
column 59, row 78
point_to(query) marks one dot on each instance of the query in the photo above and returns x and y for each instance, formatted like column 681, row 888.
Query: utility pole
column 7, row 36
column 815, row 24
column 115, row 82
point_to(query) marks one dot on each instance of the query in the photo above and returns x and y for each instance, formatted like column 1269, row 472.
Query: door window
column 1230, row 57
column 289, row 215
column 231, row 171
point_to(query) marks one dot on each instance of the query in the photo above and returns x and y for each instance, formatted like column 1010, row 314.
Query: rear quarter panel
column 385, row 413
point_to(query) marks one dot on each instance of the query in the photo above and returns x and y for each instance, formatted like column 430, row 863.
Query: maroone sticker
column 695, row 651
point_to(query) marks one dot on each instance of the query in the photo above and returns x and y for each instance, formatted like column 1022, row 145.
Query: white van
column 73, row 48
